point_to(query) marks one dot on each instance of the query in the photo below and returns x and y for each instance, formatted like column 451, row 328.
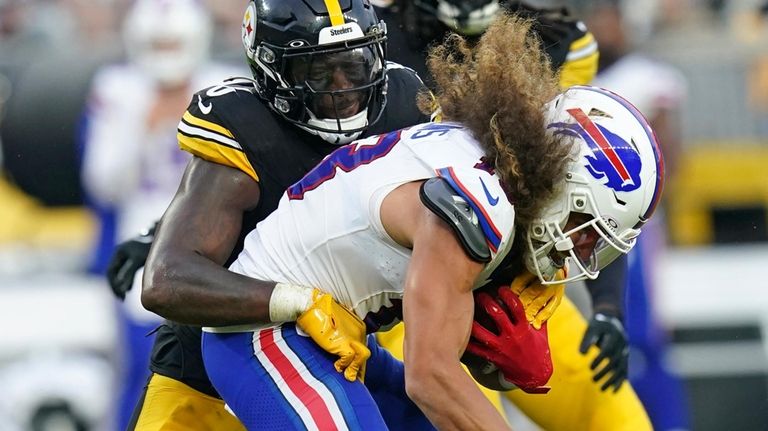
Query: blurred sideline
column 35, row 238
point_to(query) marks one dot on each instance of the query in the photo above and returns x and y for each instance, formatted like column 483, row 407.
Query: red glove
column 519, row 351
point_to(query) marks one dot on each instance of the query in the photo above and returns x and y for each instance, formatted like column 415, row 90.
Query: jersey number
column 346, row 158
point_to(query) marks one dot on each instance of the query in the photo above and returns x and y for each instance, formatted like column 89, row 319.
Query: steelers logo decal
column 249, row 25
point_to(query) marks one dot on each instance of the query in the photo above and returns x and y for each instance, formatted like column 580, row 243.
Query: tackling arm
column 184, row 279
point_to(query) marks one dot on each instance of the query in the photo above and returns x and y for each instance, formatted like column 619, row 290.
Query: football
column 485, row 373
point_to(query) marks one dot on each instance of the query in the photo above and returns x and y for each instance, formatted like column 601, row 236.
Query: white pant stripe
column 306, row 376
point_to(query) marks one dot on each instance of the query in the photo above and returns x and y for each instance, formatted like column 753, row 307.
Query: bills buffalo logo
column 612, row 158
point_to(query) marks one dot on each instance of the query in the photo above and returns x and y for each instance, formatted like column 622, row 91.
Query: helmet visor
column 336, row 84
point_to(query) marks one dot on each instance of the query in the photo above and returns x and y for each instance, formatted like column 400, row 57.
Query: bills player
column 590, row 356
column 427, row 217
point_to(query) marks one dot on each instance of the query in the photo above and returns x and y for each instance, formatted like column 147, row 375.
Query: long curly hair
column 498, row 88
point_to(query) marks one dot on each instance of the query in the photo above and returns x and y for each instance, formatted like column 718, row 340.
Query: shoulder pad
column 401, row 110
column 402, row 70
column 406, row 77
column 440, row 198
column 210, row 126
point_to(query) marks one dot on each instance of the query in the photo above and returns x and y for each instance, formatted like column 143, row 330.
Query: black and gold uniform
column 414, row 26
column 231, row 125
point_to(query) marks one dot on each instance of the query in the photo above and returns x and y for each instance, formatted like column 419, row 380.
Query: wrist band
column 288, row 301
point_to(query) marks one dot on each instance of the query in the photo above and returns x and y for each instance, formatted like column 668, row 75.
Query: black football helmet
column 466, row 17
column 319, row 64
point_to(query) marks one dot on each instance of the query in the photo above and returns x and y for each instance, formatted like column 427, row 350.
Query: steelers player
column 581, row 403
column 314, row 87
column 416, row 24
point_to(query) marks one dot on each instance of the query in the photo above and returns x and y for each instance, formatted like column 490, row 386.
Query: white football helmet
column 168, row 39
column 611, row 188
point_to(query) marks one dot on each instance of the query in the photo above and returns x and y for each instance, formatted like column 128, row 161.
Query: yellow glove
column 540, row 301
column 338, row 331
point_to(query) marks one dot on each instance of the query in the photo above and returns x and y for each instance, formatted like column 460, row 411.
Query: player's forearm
column 450, row 399
column 194, row 290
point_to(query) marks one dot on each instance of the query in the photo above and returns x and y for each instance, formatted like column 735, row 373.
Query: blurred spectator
column 657, row 90
column 131, row 162
column 227, row 45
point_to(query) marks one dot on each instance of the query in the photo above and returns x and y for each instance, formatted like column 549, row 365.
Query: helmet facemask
column 335, row 89
column 576, row 234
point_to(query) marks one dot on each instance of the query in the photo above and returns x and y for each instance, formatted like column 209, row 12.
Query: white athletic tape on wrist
column 288, row 301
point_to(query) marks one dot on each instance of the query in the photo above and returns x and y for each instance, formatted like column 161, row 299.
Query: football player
column 319, row 80
column 428, row 216
column 179, row 380
column 414, row 24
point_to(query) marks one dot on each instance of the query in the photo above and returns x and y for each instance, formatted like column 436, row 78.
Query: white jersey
column 327, row 231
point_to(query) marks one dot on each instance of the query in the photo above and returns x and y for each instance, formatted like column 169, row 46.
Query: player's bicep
column 206, row 214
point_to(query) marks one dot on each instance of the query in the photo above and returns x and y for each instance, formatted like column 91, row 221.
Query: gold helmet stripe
column 334, row 11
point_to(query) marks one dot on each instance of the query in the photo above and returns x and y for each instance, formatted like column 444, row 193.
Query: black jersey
column 230, row 125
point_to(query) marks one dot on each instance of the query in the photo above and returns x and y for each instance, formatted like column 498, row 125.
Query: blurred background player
column 658, row 91
column 416, row 24
column 131, row 162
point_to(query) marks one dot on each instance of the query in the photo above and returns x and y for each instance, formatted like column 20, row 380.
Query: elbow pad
column 437, row 195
